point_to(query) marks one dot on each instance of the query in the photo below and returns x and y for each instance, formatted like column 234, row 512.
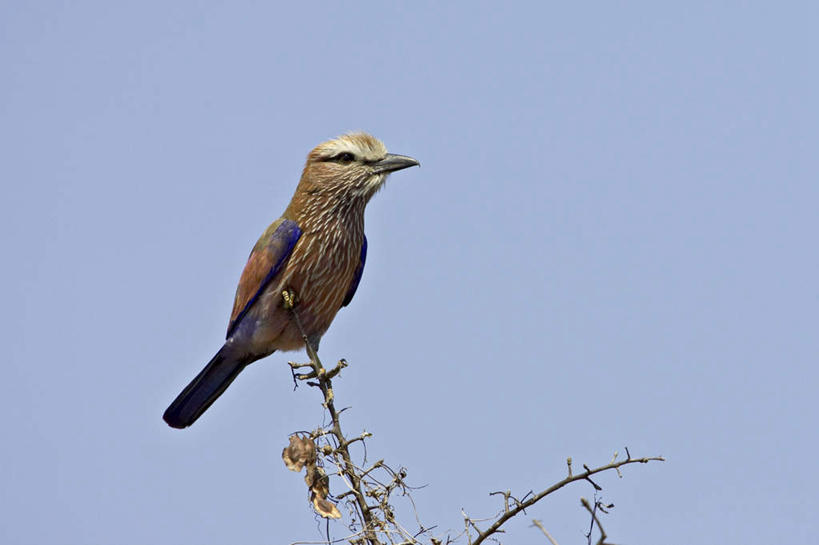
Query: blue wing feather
column 279, row 247
column 357, row 276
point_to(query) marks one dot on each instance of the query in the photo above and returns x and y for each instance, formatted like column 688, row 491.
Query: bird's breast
column 319, row 271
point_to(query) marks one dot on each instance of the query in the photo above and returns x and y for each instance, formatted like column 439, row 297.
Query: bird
column 316, row 251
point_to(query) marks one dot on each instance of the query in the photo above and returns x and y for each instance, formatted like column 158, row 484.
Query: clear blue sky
column 612, row 241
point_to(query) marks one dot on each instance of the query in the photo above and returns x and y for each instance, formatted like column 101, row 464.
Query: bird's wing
column 357, row 276
column 266, row 260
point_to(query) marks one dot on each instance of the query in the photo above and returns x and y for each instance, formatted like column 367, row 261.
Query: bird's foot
column 290, row 299
column 294, row 366
column 342, row 363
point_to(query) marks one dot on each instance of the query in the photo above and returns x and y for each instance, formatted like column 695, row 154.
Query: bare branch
column 325, row 455
column 594, row 520
column 539, row 524
column 495, row 527
column 326, row 386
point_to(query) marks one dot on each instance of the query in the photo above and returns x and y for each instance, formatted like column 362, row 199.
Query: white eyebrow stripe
column 363, row 146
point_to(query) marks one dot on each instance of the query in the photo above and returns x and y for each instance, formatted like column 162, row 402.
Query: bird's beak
column 393, row 162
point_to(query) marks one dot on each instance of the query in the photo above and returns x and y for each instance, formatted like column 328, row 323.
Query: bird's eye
column 345, row 157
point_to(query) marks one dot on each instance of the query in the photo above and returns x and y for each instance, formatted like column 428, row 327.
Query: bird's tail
column 205, row 388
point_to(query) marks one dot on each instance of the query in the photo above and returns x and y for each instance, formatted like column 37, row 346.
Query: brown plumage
column 316, row 249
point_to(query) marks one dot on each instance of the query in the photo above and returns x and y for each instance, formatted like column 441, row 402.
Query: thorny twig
column 511, row 512
column 325, row 385
column 372, row 522
column 594, row 520
column 539, row 524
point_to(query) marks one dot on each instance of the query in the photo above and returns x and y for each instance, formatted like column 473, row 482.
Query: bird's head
column 352, row 167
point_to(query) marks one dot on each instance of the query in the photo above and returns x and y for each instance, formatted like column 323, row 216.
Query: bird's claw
column 289, row 297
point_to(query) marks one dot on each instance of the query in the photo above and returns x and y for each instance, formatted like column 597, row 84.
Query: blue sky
column 611, row 242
